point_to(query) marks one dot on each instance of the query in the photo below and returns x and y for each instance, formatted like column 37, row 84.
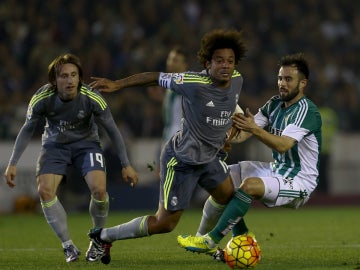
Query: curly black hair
column 221, row 39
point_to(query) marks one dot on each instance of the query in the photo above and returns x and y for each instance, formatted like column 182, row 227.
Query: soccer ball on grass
column 242, row 252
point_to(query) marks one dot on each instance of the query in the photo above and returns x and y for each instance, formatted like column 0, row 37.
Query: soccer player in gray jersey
column 70, row 137
column 192, row 155
column 290, row 124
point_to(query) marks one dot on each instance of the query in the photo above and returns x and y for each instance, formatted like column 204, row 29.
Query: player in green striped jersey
column 290, row 124
column 72, row 111
column 176, row 62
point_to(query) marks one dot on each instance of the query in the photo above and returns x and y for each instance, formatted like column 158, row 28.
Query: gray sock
column 56, row 217
column 135, row 228
column 99, row 211
column 211, row 214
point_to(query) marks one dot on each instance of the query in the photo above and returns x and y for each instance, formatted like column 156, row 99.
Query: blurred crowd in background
column 119, row 38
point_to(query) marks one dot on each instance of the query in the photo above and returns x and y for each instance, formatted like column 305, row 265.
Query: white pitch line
column 27, row 249
column 318, row 246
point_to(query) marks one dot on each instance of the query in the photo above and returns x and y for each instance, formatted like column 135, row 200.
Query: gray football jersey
column 207, row 112
column 68, row 121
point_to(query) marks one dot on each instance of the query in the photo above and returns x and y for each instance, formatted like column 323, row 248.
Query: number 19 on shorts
column 96, row 157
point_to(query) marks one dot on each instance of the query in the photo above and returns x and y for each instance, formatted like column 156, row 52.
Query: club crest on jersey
column 289, row 182
column 81, row 114
column 178, row 78
column 287, row 119
column 29, row 112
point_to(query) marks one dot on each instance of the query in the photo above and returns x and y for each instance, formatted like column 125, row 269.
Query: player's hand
column 130, row 175
column 10, row 175
column 244, row 122
column 103, row 84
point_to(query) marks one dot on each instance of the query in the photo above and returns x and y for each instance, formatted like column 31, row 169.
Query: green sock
column 240, row 228
column 234, row 211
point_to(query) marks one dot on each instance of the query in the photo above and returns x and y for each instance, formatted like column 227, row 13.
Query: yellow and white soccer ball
column 242, row 252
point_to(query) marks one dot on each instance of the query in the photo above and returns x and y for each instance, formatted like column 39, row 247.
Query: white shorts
column 279, row 191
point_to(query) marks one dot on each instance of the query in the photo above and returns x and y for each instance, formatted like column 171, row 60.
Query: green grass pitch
column 308, row 238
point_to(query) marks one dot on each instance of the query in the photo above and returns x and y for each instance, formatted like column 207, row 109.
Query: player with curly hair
column 193, row 155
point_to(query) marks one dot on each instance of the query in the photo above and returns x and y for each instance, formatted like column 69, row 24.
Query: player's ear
column 303, row 83
column 207, row 65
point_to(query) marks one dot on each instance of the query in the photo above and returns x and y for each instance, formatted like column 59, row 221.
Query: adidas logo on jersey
column 210, row 104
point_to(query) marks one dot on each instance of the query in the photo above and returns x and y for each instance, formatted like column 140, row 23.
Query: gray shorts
column 55, row 158
column 179, row 180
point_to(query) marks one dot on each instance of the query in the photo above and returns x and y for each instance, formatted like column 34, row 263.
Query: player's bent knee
column 223, row 193
column 45, row 194
column 99, row 195
column 253, row 186
column 166, row 228
column 163, row 221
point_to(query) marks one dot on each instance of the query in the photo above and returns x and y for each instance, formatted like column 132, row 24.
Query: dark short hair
column 68, row 58
column 297, row 60
column 180, row 50
column 221, row 39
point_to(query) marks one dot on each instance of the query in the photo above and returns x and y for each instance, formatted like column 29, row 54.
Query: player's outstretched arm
column 10, row 175
column 140, row 79
column 103, row 84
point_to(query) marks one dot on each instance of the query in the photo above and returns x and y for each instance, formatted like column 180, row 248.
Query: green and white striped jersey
column 172, row 114
column 302, row 122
